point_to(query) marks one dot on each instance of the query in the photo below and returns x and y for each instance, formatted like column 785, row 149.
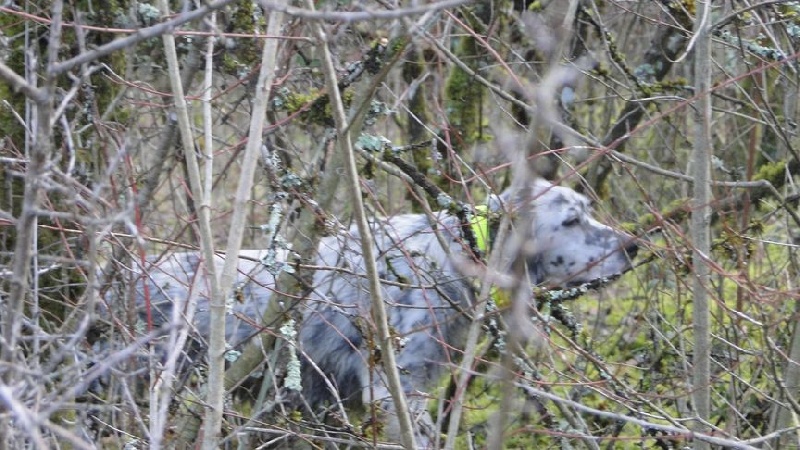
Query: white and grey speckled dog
column 422, row 289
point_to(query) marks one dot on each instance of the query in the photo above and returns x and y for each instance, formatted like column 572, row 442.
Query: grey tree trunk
column 701, row 220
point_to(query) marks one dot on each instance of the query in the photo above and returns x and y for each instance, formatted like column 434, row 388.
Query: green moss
column 677, row 84
column 687, row 5
column 59, row 289
column 536, row 7
column 662, row 365
column 773, row 172
column 230, row 64
column 464, row 105
column 638, row 334
column 676, row 211
column 465, row 94
column 314, row 105
column 397, row 45
column 246, row 18
column 10, row 127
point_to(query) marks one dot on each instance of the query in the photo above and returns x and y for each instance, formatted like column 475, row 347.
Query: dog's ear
column 496, row 203
column 513, row 199
column 507, row 201
column 536, row 269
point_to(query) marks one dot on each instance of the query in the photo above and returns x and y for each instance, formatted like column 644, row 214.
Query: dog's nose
column 631, row 249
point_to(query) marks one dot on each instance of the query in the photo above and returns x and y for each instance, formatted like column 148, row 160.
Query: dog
column 428, row 297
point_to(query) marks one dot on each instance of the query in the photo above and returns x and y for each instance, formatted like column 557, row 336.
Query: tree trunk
column 700, row 222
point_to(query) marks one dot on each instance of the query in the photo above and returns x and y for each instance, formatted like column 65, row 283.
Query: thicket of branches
column 131, row 129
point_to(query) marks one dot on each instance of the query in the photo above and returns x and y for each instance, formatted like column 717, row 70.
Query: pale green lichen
column 293, row 380
column 273, row 260
column 291, row 180
column 444, row 200
column 149, row 12
column 232, row 355
column 372, row 143
column 376, row 110
column 755, row 46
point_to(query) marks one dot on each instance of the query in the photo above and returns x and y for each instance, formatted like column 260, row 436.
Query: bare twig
column 217, row 300
column 140, row 35
column 241, row 200
column 18, row 84
column 367, row 245
column 311, row 14
column 38, row 166
column 688, row 434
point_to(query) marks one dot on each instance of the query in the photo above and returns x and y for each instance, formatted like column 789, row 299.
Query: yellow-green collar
column 480, row 229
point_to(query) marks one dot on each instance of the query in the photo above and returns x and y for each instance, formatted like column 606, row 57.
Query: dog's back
column 423, row 291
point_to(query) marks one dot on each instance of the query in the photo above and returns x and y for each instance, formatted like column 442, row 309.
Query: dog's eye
column 571, row 222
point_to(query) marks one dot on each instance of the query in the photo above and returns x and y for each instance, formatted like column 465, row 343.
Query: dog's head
column 565, row 245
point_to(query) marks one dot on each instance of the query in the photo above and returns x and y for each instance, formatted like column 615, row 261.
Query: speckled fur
column 423, row 289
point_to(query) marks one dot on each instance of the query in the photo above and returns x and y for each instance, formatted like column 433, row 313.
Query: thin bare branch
column 360, row 16
column 18, row 84
column 701, row 222
column 367, row 246
column 217, row 347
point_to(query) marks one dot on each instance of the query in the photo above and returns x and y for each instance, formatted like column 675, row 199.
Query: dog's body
column 425, row 295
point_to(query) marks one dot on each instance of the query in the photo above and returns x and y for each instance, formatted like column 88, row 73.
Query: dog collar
column 480, row 229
